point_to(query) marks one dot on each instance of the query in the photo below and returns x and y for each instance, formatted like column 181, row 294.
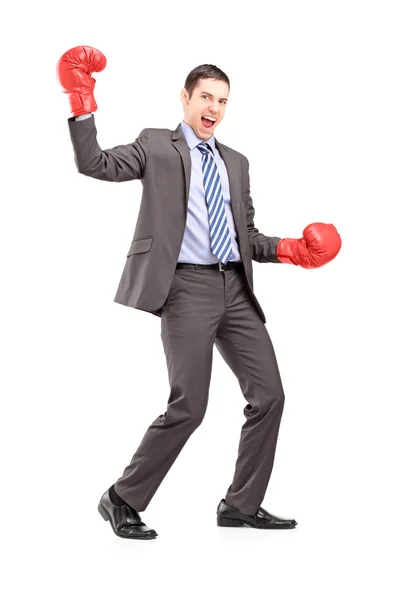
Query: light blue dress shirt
column 196, row 243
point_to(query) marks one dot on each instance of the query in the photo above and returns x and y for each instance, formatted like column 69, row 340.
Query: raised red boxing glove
column 74, row 74
column 320, row 244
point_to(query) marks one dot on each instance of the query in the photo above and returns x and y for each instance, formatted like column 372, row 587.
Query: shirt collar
column 192, row 139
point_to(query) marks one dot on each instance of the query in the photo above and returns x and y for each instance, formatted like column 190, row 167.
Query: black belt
column 219, row 265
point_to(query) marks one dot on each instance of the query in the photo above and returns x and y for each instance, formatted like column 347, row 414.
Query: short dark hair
column 204, row 72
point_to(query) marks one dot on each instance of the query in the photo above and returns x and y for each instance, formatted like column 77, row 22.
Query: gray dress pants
column 207, row 306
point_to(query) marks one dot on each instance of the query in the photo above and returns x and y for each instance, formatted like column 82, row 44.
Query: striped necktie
column 219, row 231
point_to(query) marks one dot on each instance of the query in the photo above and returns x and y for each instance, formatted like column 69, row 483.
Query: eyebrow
column 208, row 93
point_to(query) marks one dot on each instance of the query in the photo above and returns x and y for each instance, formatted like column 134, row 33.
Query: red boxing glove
column 320, row 244
column 74, row 74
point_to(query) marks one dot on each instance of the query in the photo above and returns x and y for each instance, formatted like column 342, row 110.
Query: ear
column 184, row 97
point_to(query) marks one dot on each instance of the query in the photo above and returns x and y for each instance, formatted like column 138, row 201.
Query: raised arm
column 121, row 163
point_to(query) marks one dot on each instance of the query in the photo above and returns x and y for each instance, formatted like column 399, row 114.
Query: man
column 190, row 264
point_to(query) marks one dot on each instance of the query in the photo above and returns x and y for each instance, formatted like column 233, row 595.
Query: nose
column 213, row 109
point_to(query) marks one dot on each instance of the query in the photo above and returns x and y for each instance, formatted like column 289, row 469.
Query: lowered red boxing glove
column 320, row 244
column 74, row 74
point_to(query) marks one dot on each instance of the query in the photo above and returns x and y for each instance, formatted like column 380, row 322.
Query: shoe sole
column 105, row 516
column 226, row 522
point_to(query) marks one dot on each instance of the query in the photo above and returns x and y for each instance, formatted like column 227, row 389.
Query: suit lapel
column 234, row 187
column 180, row 144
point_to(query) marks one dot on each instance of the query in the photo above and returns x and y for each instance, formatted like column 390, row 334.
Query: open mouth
column 207, row 123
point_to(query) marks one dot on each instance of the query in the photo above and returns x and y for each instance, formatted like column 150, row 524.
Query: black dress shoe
column 124, row 520
column 228, row 516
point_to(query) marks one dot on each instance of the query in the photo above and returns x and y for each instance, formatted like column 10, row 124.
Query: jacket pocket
column 140, row 245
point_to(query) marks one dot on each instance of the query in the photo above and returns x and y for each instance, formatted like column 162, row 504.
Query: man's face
column 209, row 98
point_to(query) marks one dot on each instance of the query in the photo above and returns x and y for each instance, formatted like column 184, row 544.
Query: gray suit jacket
column 161, row 159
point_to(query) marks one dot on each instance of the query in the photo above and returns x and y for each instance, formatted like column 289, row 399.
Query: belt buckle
column 221, row 264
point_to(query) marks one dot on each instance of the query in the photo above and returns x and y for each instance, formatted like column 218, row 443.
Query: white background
column 314, row 105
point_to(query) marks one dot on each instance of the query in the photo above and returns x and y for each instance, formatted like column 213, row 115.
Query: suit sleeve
column 263, row 247
column 121, row 163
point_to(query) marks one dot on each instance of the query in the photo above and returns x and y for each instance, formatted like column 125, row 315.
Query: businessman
column 190, row 263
